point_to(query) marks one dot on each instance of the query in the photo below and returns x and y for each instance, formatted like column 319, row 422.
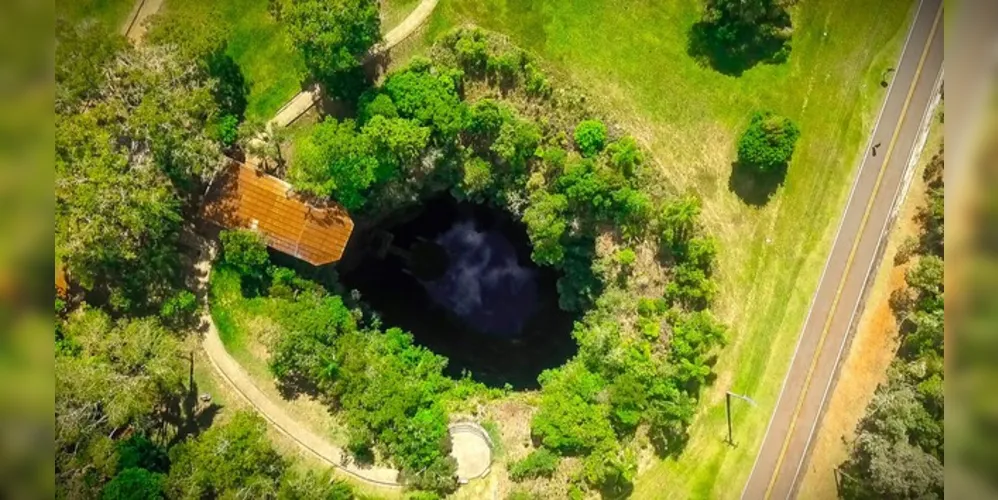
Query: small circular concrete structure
column 472, row 448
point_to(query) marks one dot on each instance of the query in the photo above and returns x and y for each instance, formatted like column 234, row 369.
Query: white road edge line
column 899, row 197
column 835, row 241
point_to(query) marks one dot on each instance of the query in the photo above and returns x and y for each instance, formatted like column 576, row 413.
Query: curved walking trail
column 307, row 99
column 471, row 446
column 233, row 373
column 135, row 28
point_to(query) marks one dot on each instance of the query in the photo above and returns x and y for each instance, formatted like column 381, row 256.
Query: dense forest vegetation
column 482, row 121
column 141, row 130
column 898, row 450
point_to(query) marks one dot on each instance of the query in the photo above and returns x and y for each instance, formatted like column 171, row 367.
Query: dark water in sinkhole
column 487, row 307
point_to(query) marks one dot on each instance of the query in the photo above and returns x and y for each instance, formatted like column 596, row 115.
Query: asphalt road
column 855, row 253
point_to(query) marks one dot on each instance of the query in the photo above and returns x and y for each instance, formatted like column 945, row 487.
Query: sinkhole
column 459, row 277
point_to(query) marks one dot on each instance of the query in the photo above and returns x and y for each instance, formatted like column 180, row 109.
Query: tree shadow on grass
column 733, row 49
column 754, row 186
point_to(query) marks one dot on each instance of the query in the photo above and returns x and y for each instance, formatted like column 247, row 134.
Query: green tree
column 677, row 221
column 570, row 419
column 898, row 448
column 200, row 34
column 694, row 337
column 735, row 35
column 143, row 140
column 304, row 354
column 83, row 51
column 611, row 470
column 669, row 415
column 335, row 161
column 545, row 218
column 429, row 95
column 926, row 278
column 265, row 141
column 229, row 460
column 163, row 105
column 123, row 245
column 139, row 451
column 333, row 39
column 179, row 310
column 389, row 390
column 768, row 143
column 516, row 143
column 374, row 103
column 579, row 285
column 397, row 144
column 690, row 287
column 590, row 137
column 486, row 119
column 628, row 399
column 134, row 484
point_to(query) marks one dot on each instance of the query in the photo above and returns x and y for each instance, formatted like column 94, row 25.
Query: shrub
column 521, row 495
column 379, row 105
column 768, row 143
column 178, row 311
column 570, row 419
column 536, row 83
column 540, row 462
column 625, row 156
column 628, row 398
column 134, row 483
column 626, row 257
column 477, row 179
column 651, row 307
column 245, row 252
column 227, row 129
column 472, row 50
column 590, row 137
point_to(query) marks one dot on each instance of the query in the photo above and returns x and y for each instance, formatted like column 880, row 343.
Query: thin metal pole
column 727, row 405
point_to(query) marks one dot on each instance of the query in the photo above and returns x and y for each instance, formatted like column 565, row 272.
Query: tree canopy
column 735, row 35
column 768, row 143
column 333, row 37
column 142, row 136
column 112, row 377
column 232, row 460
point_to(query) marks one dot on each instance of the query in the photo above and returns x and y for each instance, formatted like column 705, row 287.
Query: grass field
column 259, row 45
column 112, row 13
column 632, row 59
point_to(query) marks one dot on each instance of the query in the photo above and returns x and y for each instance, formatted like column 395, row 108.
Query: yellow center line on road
column 852, row 254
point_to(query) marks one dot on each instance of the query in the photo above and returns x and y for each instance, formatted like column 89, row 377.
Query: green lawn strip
column 112, row 13
column 260, row 46
column 634, row 58
column 394, row 11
